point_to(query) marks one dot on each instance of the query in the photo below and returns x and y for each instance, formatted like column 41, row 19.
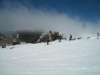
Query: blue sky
column 50, row 15
column 86, row 9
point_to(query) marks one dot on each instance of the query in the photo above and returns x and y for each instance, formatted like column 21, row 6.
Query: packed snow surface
column 79, row 57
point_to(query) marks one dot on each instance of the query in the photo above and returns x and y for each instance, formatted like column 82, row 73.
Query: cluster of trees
column 52, row 36
column 55, row 35
column 27, row 36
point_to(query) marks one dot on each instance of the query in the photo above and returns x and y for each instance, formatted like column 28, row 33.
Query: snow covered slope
column 79, row 57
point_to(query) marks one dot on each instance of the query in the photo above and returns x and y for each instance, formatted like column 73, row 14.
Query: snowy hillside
column 79, row 57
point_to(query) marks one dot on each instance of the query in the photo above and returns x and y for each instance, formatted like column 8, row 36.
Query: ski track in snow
column 79, row 57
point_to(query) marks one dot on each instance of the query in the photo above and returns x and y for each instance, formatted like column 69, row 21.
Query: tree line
column 27, row 36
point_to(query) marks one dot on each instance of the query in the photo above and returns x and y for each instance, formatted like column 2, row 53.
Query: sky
column 76, row 17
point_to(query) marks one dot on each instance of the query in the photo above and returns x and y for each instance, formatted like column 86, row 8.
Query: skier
column 47, row 41
column 60, row 38
column 70, row 38
column 97, row 35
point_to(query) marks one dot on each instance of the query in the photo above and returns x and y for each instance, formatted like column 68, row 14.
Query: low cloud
column 16, row 16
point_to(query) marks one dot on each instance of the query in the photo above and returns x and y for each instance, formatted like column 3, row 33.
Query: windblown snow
column 79, row 57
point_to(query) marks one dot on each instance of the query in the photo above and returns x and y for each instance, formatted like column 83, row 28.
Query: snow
column 79, row 57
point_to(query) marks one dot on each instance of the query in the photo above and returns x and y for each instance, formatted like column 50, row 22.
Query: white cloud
column 16, row 16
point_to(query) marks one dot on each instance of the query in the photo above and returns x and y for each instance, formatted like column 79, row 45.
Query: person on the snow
column 60, row 38
column 97, row 35
column 47, row 41
column 70, row 38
